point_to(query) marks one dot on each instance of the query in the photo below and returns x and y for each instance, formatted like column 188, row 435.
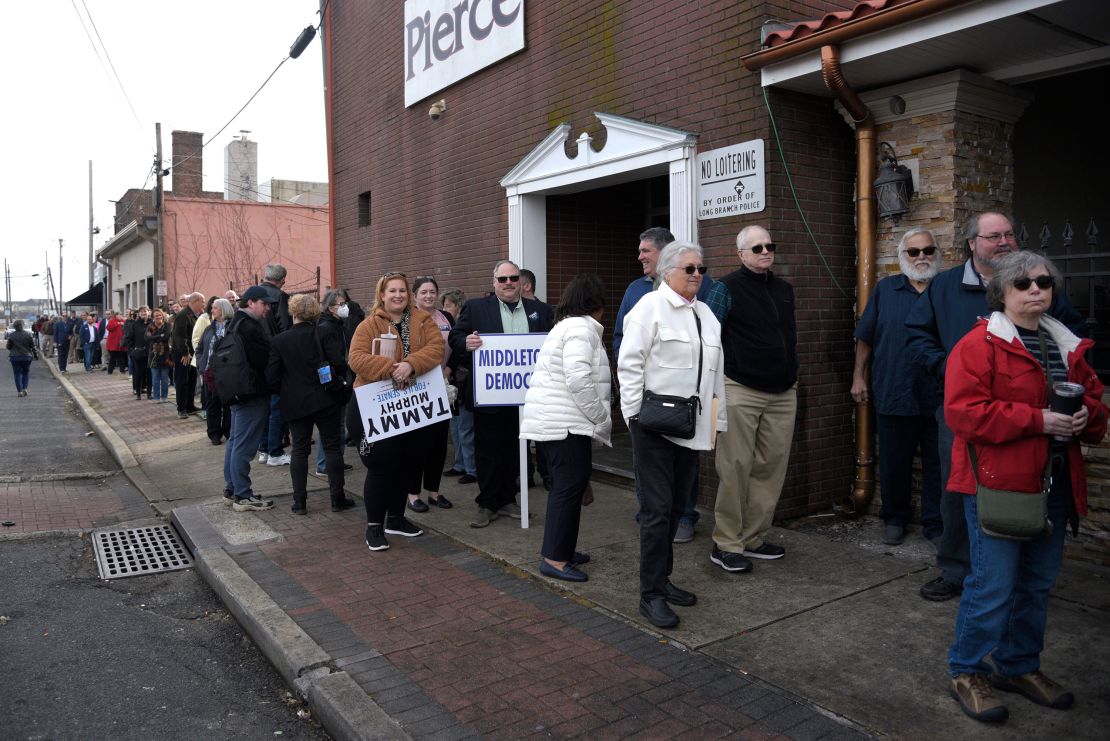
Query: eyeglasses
column 997, row 238
column 1043, row 282
column 758, row 248
column 915, row 251
column 507, row 278
column 691, row 268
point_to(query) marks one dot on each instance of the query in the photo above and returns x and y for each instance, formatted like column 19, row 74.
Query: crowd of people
column 962, row 365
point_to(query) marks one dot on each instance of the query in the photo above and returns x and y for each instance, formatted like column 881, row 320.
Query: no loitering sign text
column 731, row 181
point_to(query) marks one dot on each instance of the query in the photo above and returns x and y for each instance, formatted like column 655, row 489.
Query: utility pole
column 158, row 197
column 60, row 243
column 7, row 292
column 92, row 262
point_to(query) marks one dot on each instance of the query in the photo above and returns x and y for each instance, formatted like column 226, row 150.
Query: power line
column 110, row 64
column 100, row 58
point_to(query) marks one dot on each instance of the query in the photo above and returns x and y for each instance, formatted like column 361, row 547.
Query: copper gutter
column 327, row 27
column 878, row 20
column 864, row 486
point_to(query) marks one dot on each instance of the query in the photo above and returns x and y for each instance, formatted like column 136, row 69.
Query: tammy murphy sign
column 730, row 181
column 447, row 40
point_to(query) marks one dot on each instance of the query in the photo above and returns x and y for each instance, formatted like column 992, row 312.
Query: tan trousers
column 751, row 463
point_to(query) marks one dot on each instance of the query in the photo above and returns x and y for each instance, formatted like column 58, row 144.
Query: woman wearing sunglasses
column 418, row 348
column 671, row 347
column 997, row 402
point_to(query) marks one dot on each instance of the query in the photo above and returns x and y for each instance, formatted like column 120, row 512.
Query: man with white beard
column 906, row 397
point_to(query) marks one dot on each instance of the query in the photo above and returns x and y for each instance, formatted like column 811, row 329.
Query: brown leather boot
column 977, row 700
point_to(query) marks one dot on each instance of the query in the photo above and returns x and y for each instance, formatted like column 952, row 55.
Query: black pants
column 185, row 383
column 327, row 421
column 63, row 354
column 218, row 417
column 497, row 453
column 953, row 546
column 569, row 462
column 389, row 464
column 665, row 473
column 140, row 377
column 899, row 439
column 433, row 453
column 117, row 359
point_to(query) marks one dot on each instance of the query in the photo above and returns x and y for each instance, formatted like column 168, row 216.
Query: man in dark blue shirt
column 905, row 397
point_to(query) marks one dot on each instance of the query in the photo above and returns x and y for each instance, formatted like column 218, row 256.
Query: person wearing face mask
column 333, row 337
column 434, row 447
column 136, row 340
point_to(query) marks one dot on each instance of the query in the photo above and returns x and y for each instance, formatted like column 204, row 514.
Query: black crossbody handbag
column 674, row 416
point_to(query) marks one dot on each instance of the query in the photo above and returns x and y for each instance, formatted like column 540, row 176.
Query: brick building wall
column 436, row 206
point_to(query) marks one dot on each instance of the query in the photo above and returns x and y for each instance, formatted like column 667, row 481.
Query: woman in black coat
column 217, row 413
column 136, row 342
column 331, row 329
column 297, row 358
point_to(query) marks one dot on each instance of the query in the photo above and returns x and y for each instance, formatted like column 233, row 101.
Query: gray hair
column 225, row 307
column 668, row 259
column 1018, row 265
column 274, row 272
column 499, row 263
column 194, row 296
column 331, row 298
column 660, row 236
column 743, row 235
column 913, row 232
column 971, row 228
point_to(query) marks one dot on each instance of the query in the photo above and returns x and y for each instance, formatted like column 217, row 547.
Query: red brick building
column 561, row 151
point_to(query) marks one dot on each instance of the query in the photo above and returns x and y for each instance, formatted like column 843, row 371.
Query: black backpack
column 235, row 378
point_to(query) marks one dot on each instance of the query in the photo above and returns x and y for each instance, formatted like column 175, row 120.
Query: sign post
column 502, row 371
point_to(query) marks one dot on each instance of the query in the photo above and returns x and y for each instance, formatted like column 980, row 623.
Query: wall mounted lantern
column 893, row 186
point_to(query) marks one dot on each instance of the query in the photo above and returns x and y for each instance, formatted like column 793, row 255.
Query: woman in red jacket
column 117, row 356
column 996, row 400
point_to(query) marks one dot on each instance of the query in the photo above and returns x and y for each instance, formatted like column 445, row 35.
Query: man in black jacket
column 496, row 429
column 184, row 372
column 760, row 342
column 248, row 414
column 271, row 449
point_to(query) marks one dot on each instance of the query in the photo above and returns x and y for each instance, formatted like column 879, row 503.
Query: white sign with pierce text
column 730, row 181
column 447, row 40
column 503, row 368
column 387, row 411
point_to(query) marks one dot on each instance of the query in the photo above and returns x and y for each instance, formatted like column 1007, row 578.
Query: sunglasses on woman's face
column 691, row 268
column 1043, row 282
column 913, row 252
column 758, row 248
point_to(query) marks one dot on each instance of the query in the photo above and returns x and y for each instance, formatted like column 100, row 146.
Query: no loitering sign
column 731, row 181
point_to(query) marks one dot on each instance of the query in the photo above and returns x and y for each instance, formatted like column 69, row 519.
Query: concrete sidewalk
column 455, row 635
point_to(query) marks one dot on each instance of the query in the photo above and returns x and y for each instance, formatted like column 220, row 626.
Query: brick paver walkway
column 75, row 504
column 453, row 645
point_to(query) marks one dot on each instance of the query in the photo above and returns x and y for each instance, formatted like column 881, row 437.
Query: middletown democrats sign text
column 503, row 368
column 387, row 411
column 447, row 40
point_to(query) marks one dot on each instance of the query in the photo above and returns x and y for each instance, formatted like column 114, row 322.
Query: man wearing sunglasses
column 905, row 397
column 947, row 311
column 496, row 429
column 760, row 342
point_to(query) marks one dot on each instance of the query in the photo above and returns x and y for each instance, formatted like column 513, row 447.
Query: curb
column 115, row 444
column 342, row 707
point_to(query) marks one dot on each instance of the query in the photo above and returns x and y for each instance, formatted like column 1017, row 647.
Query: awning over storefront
column 887, row 41
column 94, row 298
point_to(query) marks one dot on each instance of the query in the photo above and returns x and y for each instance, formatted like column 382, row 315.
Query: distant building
column 241, row 169
column 303, row 192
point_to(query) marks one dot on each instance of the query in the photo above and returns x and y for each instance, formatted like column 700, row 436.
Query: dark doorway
column 597, row 231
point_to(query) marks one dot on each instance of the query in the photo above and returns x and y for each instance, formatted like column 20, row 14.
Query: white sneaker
column 278, row 460
column 263, row 457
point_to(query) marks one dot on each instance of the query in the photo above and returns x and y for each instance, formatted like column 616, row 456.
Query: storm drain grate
column 139, row 550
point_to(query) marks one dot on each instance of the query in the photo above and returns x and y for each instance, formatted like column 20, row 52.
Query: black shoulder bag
column 1014, row 515
column 674, row 416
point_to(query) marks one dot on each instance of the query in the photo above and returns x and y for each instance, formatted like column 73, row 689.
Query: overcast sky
column 189, row 64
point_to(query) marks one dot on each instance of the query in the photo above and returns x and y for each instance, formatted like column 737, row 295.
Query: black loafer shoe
column 680, row 597
column 658, row 612
column 466, row 478
column 939, row 590
column 568, row 572
column 418, row 506
column 300, row 509
column 441, row 501
column 580, row 558
column 347, row 503
column 452, row 473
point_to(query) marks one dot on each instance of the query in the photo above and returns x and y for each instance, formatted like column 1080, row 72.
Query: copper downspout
column 864, row 486
column 326, row 25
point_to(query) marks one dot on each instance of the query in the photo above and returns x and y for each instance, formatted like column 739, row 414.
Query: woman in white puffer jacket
column 566, row 408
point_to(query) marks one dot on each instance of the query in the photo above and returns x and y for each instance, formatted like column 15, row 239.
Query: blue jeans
column 159, row 382
column 462, row 436
column 248, row 421
column 21, row 367
column 1005, row 601
column 87, row 351
column 274, row 431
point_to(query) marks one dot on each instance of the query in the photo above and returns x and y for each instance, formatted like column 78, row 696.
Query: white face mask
column 342, row 311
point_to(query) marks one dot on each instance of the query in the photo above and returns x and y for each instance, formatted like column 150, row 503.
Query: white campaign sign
column 447, row 40
column 387, row 411
column 730, row 181
column 503, row 367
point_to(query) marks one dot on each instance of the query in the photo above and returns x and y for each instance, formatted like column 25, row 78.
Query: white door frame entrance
column 633, row 151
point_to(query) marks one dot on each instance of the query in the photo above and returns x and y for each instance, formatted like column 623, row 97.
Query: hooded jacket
column 993, row 396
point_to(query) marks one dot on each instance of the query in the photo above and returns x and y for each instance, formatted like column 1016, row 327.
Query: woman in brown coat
column 391, row 462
